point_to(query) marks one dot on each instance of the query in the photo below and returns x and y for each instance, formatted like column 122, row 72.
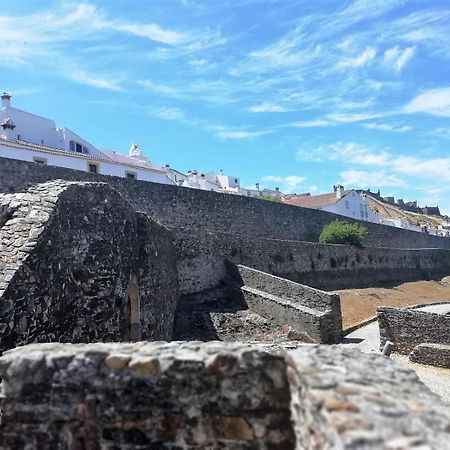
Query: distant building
column 348, row 203
column 29, row 137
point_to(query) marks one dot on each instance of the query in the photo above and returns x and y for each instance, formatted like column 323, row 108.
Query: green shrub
column 340, row 232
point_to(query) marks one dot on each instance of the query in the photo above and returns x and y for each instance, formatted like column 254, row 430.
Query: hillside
column 390, row 211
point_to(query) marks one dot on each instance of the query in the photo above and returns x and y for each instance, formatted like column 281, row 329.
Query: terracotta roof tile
column 314, row 201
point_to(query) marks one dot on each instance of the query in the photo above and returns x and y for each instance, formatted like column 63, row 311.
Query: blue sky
column 298, row 94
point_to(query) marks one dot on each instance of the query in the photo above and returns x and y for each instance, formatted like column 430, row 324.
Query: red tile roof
column 314, row 201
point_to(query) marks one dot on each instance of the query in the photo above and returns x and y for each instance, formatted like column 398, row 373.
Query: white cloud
column 387, row 127
column 397, row 59
column 365, row 57
column 291, row 181
column 435, row 102
column 268, row 107
column 81, row 77
column 366, row 179
column 240, row 134
column 311, row 123
column 159, row 88
column 349, row 118
column 168, row 113
column 150, row 31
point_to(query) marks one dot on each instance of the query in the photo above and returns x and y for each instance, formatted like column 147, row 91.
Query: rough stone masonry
column 78, row 264
column 214, row 396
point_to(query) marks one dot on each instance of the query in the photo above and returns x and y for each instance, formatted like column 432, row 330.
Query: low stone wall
column 161, row 396
column 202, row 260
column 407, row 328
column 215, row 395
column 307, row 310
column 431, row 354
column 77, row 264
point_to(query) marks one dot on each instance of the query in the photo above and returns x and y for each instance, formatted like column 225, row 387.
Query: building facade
column 29, row 137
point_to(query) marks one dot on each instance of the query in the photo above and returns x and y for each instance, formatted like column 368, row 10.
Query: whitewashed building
column 347, row 203
column 29, row 137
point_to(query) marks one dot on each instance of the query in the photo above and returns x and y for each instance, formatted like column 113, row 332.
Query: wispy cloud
column 287, row 184
column 168, row 113
column 435, row 102
column 362, row 59
column 397, row 59
column 311, row 123
column 367, row 179
column 387, row 127
column 240, row 134
column 268, row 108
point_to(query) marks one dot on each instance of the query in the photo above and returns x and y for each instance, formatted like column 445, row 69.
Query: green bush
column 340, row 232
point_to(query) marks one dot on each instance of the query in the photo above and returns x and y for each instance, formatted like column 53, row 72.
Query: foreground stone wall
column 406, row 328
column 175, row 207
column 202, row 261
column 72, row 268
column 215, row 395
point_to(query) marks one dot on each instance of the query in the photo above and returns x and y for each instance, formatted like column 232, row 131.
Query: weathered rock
column 192, row 395
column 431, row 354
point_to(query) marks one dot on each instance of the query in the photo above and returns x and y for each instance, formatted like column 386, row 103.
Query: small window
column 132, row 175
column 38, row 160
column 347, row 206
column 93, row 168
column 18, row 137
column 78, row 147
column 85, row 150
column 235, row 180
column 72, row 146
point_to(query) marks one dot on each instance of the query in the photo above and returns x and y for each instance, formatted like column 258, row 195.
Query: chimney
column 6, row 100
column 257, row 186
column 221, row 172
column 339, row 191
column 277, row 189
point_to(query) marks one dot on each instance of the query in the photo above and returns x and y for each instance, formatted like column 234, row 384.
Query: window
column 93, row 168
column 361, row 210
column 365, row 211
column 18, row 137
column 38, row 160
column 132, row 175
column 77, row 147
column 347, row 206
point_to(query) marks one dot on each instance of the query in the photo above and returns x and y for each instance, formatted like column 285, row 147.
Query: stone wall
column 431, row 354
column 202, row 260
column 175, row 207
column 306, row 310
column 77, row 264
column 406, row 328
column 215, row 395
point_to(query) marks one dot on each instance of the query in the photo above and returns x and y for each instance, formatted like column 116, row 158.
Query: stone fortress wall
column 178, row 207
column 78, row 264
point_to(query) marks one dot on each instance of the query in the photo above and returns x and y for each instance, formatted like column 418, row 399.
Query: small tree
column 340, row 232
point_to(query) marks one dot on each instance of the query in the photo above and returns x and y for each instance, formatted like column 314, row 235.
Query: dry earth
column 360, row 304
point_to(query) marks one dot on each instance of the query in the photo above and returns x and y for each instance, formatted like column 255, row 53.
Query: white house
column 29, row 137
column 348, row 203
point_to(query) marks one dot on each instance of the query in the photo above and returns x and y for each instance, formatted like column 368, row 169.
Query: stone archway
column 134, row 311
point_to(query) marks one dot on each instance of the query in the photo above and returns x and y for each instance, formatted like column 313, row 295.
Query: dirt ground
column 360, row 304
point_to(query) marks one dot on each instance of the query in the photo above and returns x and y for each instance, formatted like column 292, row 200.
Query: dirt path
column 361, row 304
